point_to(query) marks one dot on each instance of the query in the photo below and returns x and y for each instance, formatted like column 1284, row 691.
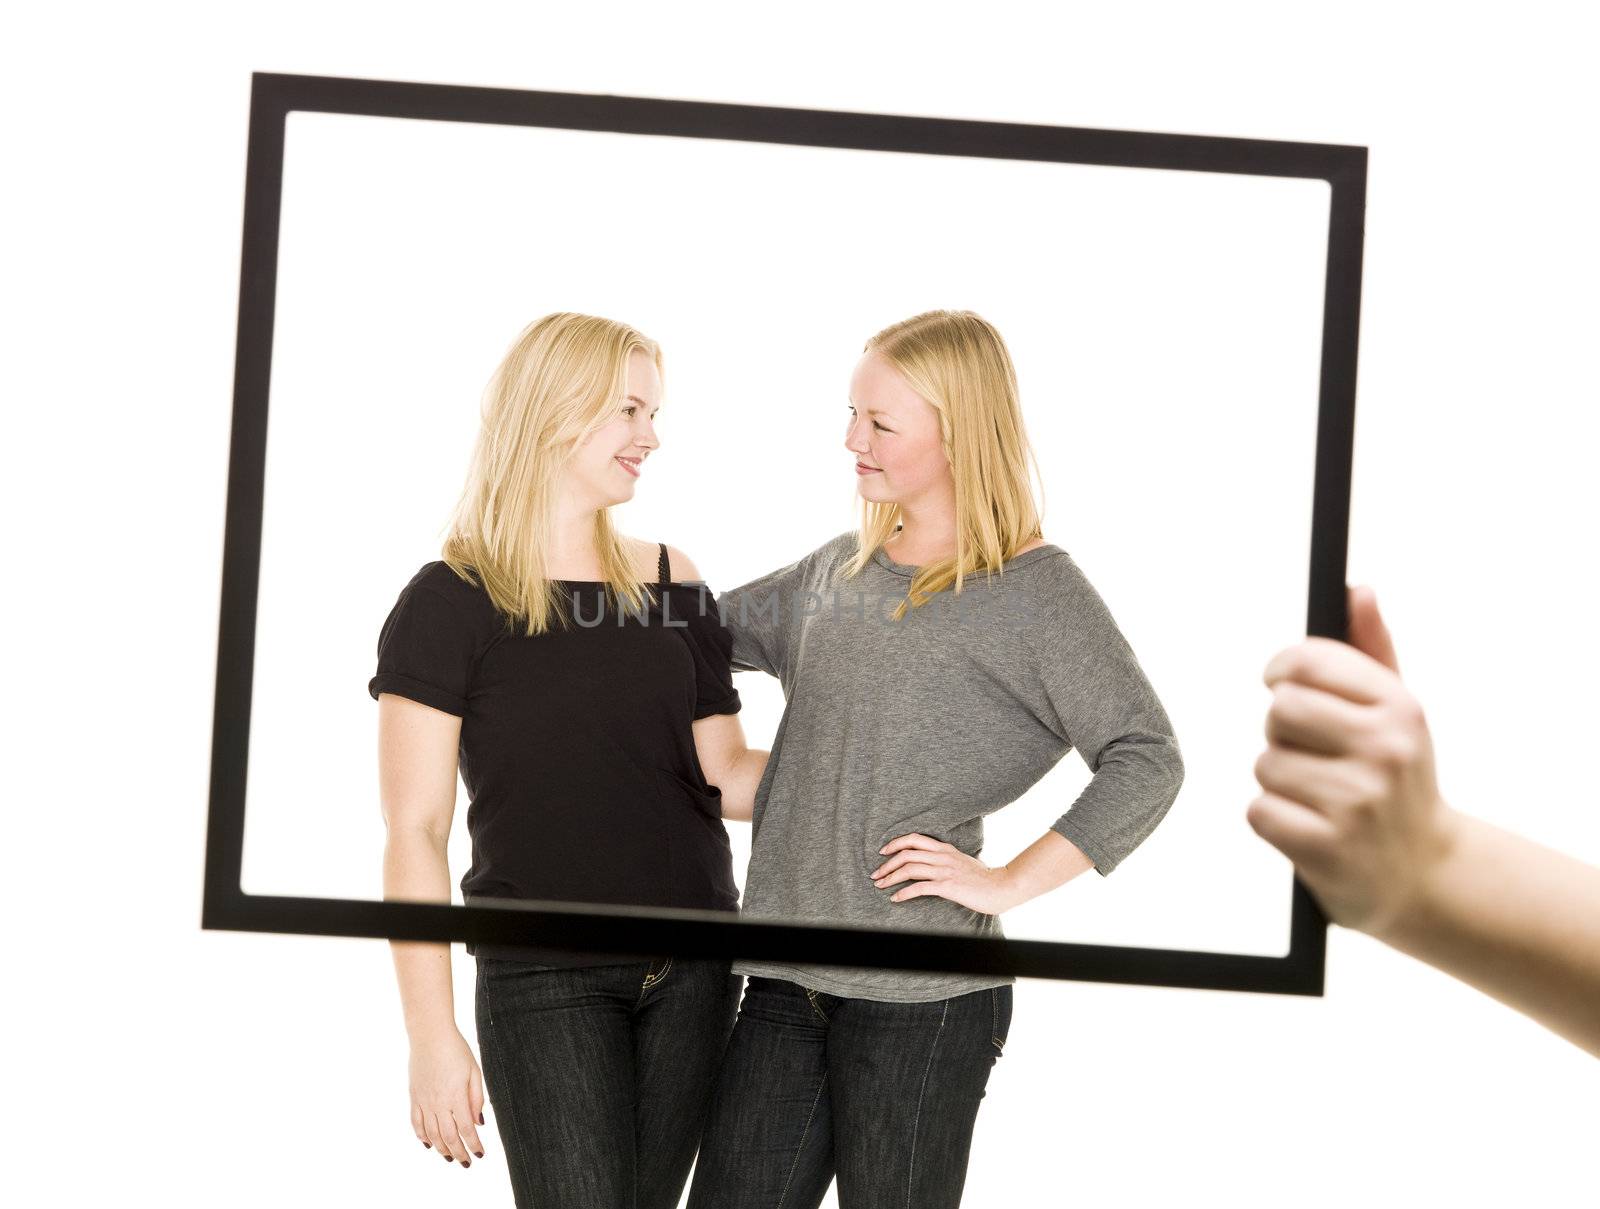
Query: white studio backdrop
column 1166, row 326
column 151, row 1060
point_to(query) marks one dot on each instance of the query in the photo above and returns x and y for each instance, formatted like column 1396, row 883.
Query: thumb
column 1368, row 634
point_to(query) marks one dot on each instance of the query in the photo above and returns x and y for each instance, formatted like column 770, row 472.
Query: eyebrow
column 639, row 401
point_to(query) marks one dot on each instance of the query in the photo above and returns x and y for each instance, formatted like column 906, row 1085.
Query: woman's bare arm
column 725, row 755
column 1049, row 862
column 417, row 748
column 1515, row 919
column 729, row 763
column 417, row 788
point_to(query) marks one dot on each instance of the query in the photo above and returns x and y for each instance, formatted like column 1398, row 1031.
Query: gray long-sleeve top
column 928, row 724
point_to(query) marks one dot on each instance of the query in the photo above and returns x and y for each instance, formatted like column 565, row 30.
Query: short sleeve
column 757, row 615
column 425, row 651
column 711, row 644
column 762, row 614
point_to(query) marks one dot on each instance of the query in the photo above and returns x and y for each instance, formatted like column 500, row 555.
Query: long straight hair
column 562, row 379
column 957, row 361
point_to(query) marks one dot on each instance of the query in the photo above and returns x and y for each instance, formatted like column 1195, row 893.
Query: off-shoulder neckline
column 595, row 583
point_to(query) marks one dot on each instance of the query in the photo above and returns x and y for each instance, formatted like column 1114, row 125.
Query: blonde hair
column 957, row 361
column 562, row 379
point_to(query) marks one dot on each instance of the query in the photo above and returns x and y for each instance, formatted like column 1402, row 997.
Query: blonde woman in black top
column 593, row 719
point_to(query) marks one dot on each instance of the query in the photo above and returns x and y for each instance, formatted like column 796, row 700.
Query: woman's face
column 894, row 433
column 606, row 465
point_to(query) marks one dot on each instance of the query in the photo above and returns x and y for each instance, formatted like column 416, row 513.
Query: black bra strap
column 664, row 566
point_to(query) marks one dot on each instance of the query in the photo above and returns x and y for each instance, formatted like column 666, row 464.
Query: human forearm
column 1050, row 861
column 729, row 763
column 415, row 868
column 1515, row 919
column 738, row 781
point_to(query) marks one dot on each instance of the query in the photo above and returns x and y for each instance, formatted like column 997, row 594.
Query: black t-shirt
column 576, row 747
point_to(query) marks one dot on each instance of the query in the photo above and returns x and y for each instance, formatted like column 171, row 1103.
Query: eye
column 851, row 409
column 629, row 410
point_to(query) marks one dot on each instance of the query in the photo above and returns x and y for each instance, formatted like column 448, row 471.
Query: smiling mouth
column 631, row 465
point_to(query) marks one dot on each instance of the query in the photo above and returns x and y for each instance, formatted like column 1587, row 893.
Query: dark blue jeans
column 600, row 1076
column 884, row 1094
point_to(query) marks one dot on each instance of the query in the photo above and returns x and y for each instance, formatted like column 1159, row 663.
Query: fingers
column 915, row 840
column 450, row 1135
column 454, row 1137
column 469, row 1131
column 912, row 872
column 1321, row 783
column 913, row 847
column 1334, row 667
column 436, row 1135
column 912, row 837
column 475, row 1097
column 1348, row 775
column 898, row 862
column 1313, row 720
column 1304, row 836
column 446, row 1092
column 1368, row 633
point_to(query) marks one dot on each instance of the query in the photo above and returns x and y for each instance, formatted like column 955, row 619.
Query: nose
column 855, row 436
column 648, row 438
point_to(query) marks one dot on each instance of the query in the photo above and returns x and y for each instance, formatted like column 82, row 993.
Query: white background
column 1166, row 327
column 149, row 1058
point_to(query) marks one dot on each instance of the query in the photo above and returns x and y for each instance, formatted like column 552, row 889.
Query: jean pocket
column 657, row 971
column 815, row 998
column 1000, row 999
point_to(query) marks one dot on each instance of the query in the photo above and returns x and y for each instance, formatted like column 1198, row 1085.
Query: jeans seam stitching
column 505, row 1114
column 811, row 997
column 805, row 1130
column 916, row 1121
column 651, row 980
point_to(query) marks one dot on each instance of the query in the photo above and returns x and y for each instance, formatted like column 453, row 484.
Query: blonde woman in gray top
column 935, row 663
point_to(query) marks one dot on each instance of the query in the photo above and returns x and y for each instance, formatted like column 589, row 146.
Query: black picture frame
column 704, row 933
